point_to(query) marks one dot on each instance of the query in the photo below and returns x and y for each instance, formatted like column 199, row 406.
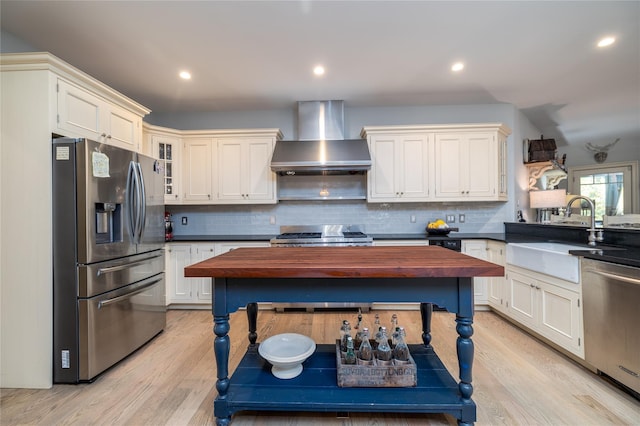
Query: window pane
column 607, row 192
column 586, row 180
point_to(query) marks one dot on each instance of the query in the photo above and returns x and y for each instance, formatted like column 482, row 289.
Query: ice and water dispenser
column 108, row 223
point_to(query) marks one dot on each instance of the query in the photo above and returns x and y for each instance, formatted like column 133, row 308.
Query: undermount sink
column 547, row 258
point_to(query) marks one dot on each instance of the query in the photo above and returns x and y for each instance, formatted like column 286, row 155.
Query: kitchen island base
column 429, row 275
column 254, row 388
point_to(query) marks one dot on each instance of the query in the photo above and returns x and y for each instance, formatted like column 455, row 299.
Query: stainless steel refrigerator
column 108, row 257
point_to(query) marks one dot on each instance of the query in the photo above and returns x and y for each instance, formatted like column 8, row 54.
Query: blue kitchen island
column 429, row 274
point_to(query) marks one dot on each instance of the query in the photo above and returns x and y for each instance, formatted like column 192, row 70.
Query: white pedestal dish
column 286, row 353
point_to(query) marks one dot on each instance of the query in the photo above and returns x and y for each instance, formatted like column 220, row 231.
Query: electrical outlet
column 461, row 218
column 412, row 219
column 451, row 218
column 272, row 220
column 184, row 220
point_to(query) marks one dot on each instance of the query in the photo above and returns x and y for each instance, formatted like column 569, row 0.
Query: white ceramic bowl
column 286, row 353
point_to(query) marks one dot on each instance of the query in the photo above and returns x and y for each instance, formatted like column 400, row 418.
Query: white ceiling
column 244, row 55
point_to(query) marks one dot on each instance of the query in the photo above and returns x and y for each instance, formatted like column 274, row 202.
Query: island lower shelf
column 253, row 387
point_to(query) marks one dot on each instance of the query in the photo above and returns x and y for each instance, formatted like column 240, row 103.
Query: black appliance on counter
column 108, row 257
column 446, row 242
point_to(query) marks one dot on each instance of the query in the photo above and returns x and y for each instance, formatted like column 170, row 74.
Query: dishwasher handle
column 614, row 276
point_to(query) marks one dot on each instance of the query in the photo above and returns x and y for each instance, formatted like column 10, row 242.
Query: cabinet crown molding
column 45, row 61
column 499, row 127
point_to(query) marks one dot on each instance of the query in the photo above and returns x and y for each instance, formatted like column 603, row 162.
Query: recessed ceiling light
column 185, row 75
column 318, row 70
column 606, row 41
column 458, row 66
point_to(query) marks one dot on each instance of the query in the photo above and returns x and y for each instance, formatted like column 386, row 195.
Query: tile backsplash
column 376, row 218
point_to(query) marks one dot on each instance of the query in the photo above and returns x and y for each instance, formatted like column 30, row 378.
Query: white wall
column 25, row 231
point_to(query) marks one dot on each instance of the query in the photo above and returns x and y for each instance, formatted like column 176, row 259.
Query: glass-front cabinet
column 167, row 150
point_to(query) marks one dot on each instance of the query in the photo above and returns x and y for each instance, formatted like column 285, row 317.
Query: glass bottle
column 365, row 351
column 377, row 329
column 350, row 356
column 357, row 340
column 346, row 334
column 394, row 337
column 383, row 353
column 401, row 350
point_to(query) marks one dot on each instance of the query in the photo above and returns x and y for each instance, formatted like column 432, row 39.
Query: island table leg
column 252, row 317
column 426, row 310
column 464, row 346
column 221, row 347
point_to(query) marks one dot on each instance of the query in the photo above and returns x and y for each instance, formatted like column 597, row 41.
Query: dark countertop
column 232, row 237
column 265, row 237
column 451, row 236
column 621, row 246
column 621, row 256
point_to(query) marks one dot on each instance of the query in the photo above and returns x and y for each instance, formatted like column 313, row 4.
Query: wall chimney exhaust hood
column 321, row 147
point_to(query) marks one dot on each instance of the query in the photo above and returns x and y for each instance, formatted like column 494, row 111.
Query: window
column 612, row 187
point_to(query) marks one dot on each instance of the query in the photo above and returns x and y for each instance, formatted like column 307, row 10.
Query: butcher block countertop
column 343, row 262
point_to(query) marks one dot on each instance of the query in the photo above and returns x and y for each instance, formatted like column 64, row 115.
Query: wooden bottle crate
column 397, row 374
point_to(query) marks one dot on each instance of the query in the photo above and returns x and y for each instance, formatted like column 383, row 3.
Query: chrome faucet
column 594, row 235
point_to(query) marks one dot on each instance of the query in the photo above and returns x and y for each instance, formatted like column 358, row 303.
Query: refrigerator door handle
column 110, row 269
column 142, row 205
column 128, row 295
column 131, row 199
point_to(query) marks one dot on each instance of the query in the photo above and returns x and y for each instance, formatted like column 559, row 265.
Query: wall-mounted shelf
column 547, row 169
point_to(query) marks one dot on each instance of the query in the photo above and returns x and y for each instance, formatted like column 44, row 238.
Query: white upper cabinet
column 244, row 173
column 82, row 113
column 166, row 146
column 228, row 166
column 458, row 162
column 199, row 174
column 399, row 172
column 466, row 166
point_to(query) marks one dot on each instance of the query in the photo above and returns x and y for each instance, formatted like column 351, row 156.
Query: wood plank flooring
column 517, row 379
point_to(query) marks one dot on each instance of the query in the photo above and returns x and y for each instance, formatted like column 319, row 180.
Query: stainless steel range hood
column 321, row 147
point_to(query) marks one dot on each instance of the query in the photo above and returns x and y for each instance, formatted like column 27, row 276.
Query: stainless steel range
column 321, row 236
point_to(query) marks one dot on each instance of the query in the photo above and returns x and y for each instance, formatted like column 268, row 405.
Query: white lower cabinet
column 548, row 306
column 497, row 289
column 180, row 289
column 477, row 249
column 194, row 291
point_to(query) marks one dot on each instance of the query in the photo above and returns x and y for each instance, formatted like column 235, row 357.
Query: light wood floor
column 517, row 379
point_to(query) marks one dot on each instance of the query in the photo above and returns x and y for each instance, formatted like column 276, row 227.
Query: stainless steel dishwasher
column 611, row 298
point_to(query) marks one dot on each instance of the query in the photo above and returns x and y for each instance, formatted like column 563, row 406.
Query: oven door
column 114, row 324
